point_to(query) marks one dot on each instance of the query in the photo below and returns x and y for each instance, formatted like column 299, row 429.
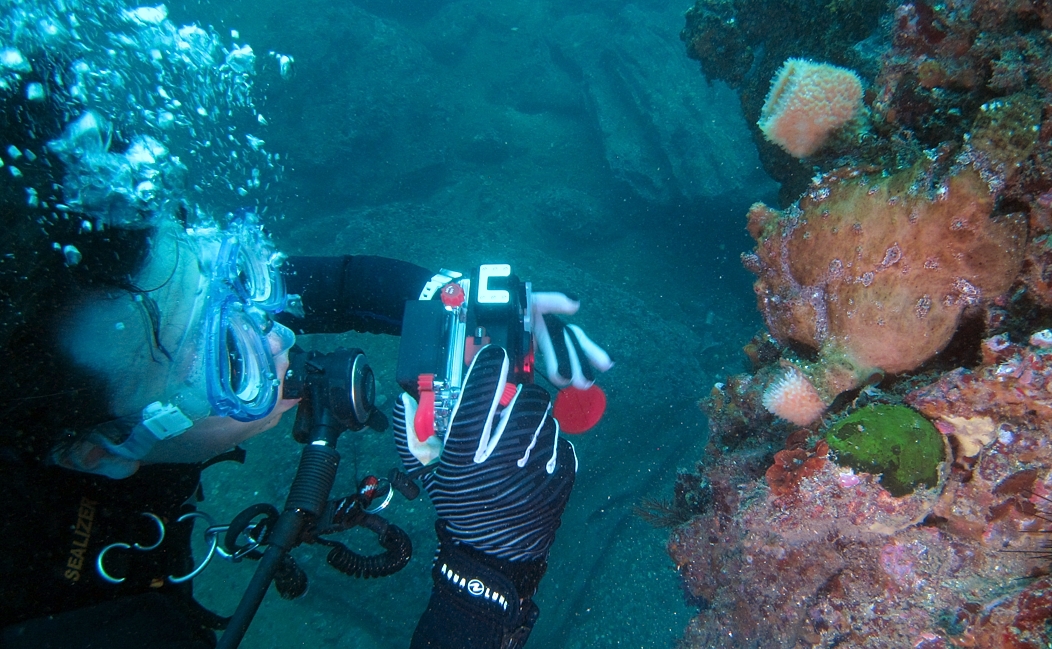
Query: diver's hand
column 500, row 487
column 565, row 347
column 505, row 475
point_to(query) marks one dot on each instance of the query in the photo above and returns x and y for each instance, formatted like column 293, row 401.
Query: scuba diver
column 143, row 340
column 166, row 340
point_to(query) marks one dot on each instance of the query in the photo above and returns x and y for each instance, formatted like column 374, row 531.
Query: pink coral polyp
column 807, row 103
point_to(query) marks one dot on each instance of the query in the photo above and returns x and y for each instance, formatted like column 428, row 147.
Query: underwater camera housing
column 441, row 336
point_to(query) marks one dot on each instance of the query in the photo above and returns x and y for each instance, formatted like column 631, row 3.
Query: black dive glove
column 500, row 486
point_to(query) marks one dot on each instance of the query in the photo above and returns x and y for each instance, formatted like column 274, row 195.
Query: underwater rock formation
column 663, row 134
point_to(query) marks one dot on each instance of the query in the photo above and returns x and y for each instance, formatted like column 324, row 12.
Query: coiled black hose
column 396, row 543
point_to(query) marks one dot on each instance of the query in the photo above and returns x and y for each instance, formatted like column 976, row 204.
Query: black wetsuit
column 55, row 521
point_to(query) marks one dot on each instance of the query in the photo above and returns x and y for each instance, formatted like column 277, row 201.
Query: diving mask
column 245, row 292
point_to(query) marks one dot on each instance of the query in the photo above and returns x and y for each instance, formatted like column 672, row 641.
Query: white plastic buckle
column 437, row 281
column 165, row 420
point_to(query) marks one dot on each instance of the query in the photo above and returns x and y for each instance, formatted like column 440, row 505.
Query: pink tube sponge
column 807, row 103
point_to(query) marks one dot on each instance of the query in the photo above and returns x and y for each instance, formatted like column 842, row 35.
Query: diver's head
column 105, row 298
column 189, row 353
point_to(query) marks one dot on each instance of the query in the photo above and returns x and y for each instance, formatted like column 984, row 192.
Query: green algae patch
column 894, row 441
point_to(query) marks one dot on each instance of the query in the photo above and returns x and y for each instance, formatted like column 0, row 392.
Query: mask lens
column 244, row 373
column 244, row 385
column 254, row 271
column 253, row 279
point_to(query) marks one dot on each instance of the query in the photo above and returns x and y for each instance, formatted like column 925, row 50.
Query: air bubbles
column 35, row 91
column 13, row 60
column 72, row 255
column 144, row 16
column 49, row 28
column 284, row 65
column 146, row 191
column 241, row 59
column 137, row 73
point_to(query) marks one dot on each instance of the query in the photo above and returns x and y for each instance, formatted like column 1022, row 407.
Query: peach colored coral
column 793, row 398
column 807, row 103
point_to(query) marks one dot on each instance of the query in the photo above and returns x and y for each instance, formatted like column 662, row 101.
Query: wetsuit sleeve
column 351, row 293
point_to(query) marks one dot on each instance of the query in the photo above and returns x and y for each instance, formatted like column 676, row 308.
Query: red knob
column 452, row 295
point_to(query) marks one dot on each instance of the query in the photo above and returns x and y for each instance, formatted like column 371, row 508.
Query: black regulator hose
column 396, row 543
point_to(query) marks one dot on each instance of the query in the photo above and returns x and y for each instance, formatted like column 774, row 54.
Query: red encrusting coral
column 793, row 464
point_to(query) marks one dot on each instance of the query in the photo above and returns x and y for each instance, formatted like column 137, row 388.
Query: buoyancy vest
column 54, row 522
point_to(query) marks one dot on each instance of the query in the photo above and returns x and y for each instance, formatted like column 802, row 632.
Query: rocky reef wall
column 909, row 269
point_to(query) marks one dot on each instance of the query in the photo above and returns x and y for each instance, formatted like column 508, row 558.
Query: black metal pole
column 290, row 524
column 307, row 497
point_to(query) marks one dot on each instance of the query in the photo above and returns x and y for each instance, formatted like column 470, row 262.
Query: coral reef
column 822, row 554
column 911, row 269
column 807, row 103
column 932, row 73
